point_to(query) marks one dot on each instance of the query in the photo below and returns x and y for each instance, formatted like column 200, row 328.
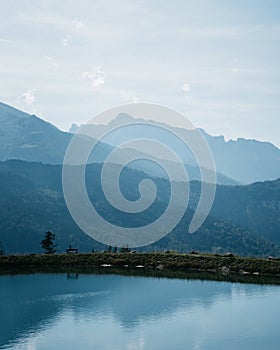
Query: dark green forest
column 244, row 219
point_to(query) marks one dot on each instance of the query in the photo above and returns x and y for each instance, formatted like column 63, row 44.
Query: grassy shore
column 163, row 264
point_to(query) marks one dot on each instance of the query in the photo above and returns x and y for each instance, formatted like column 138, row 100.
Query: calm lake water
column 110, row 312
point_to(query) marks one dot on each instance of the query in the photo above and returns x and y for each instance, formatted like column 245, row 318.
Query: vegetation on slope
column 224, row 264
column 32, row 203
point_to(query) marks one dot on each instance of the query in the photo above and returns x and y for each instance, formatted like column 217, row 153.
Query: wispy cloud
column 29, row 97
column 78, row 25
column 51, row 61
column 66, row 42
column 128, row 97
column 46, row 19
column 216, row 64
column 26, row 101
column 3, row 40
column 185, row 87
column 96, row 77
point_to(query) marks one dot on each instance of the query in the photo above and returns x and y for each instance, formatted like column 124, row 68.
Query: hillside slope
column 31, row 202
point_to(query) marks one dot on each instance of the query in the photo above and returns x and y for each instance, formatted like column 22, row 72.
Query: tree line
column 49, row 246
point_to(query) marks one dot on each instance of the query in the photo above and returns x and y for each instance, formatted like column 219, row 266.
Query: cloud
column 97, row 77
column 128, row 97
column 235, row 70
column 97, row 82
column 51, row 61
column 78, row 25
column 2, row 40
column 28, row 97
column 185, row 87
column 26, row 101
column 65, row 42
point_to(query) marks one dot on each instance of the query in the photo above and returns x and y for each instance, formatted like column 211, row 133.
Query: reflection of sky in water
column 41, row 312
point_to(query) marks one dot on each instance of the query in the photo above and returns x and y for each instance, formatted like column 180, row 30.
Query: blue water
column 110, row 312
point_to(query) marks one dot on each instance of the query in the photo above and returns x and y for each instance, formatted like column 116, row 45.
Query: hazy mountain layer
column 245, row 161
column 30, row 138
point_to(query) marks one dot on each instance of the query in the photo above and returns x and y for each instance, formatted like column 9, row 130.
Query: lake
column 112, row 312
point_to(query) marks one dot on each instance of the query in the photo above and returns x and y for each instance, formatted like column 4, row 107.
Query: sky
column 216, row 61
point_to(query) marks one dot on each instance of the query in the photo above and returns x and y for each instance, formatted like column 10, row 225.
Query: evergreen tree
column 48, row 243
column 125, row 249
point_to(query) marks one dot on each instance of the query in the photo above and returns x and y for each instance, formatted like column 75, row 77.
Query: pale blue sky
column 215, row 61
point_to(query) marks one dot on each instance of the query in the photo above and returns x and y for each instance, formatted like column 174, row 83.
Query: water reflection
column 73, row 275
column 58, row 311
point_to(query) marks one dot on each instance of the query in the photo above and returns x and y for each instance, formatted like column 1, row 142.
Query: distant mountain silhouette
column 245, row 161
column 27, row 137
column 30, row 138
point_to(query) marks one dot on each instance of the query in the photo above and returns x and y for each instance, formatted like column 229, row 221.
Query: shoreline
column 171, row 265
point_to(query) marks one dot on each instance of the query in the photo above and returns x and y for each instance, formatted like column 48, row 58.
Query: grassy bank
column 162, row 263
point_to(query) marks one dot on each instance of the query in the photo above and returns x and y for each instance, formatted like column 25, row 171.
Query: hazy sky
column 215, row 61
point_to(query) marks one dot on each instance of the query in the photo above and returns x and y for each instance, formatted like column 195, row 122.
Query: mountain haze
column 244, row 161
column 244, row 219
column 27, row 137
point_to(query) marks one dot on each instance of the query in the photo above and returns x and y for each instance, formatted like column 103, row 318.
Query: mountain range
column 32, row 202
column 30, row 138
column 243, row 161
column 244, row 218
